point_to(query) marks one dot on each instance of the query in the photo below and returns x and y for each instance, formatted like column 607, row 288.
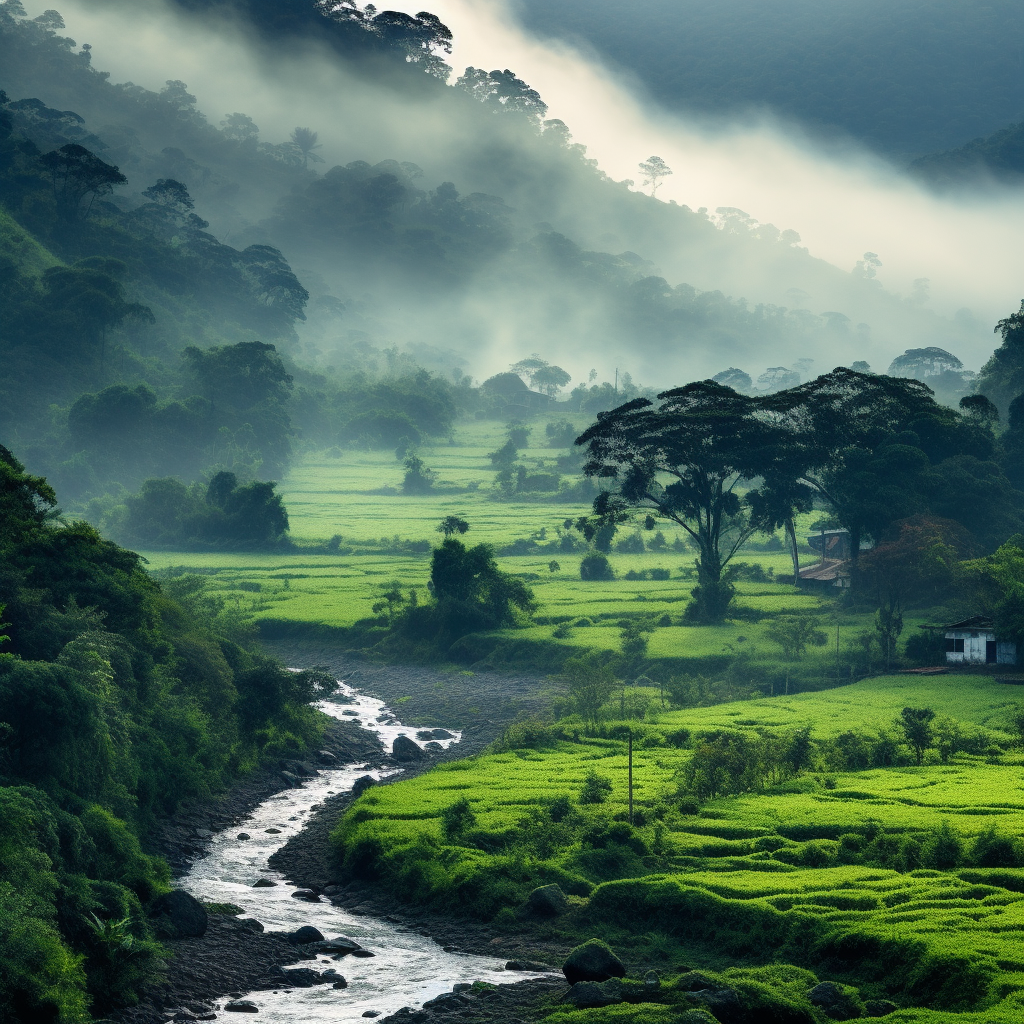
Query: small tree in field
column 916, row 726
column 654, row 169
column 457, row 819
column 451, row 525
column 794, row 634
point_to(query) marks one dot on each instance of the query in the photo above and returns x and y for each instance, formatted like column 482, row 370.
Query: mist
column 841, row 201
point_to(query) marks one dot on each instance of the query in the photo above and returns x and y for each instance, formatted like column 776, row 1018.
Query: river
column 407, row 968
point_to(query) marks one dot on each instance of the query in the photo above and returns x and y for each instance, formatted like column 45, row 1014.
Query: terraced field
column 763, row 878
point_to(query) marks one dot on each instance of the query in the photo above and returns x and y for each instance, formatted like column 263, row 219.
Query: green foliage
column 117, row 704
column 166, row 513
column 595, row 566
column 595, row 789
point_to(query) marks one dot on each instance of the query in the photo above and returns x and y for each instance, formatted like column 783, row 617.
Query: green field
column 808, row 872
column 355, row 495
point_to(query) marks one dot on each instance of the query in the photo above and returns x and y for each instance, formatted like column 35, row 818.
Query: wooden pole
column 631, row 776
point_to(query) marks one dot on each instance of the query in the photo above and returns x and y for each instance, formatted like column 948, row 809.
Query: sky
column 842, row 203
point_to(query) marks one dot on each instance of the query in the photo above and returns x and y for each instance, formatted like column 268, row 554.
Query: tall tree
column 683, row 459
column 77, row 175
column 305, row 141
column 654, row 169
column 1002, row 377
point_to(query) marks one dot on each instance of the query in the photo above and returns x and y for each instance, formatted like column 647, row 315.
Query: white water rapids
column 407, row 969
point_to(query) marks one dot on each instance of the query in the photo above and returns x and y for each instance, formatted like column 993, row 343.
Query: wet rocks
column 361, row 785
column 243, row 836
column 405, row 749
column 362, row 953
column 434, row 734
column 593, row 961
column 309, row 895
column 306, row 934
column 527, row 965
column 241, row 1006
column 272, row 831
column 263, row 883
column 341, row 946
column 178, row 915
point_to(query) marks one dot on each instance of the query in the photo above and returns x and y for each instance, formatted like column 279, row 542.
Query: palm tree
column 305, row 141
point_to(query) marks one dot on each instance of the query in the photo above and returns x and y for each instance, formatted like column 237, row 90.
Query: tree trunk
column 791, row 535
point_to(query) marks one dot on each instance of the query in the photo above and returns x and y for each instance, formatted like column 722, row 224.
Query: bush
column 596, row 566
column 596, row 789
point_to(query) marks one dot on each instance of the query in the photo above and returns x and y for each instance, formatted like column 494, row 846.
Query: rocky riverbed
column 236, row 956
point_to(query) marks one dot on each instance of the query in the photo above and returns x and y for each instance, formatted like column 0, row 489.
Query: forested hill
column 118, row 704
column 999, row 157
column 489, row 231
column 906, row 78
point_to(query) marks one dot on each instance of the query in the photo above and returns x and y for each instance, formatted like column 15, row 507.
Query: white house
column 974, row 642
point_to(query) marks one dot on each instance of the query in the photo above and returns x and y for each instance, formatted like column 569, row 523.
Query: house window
column 954, row 646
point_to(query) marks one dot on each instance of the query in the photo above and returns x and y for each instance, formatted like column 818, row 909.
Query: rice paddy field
column 355, row 495
column 755, row 879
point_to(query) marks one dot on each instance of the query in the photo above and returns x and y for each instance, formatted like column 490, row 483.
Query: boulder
column 341, row 983
column 241, row 1006
column 263, row 883
column 272, row 831
column 341, row 945
column 405, row 749
column 361, row 785
column 546, row 901
column 302, row 977
column 840, row 1002
column 307, row 933
column 326, row 756
column 879, row 1007
column 527, row 965
column 362, row 953
column 243, row 836
column 371, row 1013
column 434, row 734
column 593, row 961
column 177, row 915
column 585, row 994
column 291, row 778
column 309, row 895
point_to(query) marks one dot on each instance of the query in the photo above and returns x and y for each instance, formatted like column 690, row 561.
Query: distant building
column 833, row 570
column 974, row 642
column 833, row 544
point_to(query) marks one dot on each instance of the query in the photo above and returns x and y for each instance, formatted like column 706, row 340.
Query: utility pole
column 631, row 775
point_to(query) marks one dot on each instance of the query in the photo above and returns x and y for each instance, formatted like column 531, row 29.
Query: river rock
column 340, row 983
column 361, row 785
column 586, row 994
column 301, row 977
column 307, row 933
column 178, row 915
column 593, row 961
column 434, row 734
column 546, row 901
column 326, row 756
column 405, row 749
column 309, row 895
column 243, row 836
column 527, row 965
column 433, row 746
column 263, row 883
column 272, row 831
column 362, row 953
column 341, row 945
column 241, row 1006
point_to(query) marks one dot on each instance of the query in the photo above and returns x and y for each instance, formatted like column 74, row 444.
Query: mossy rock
column 593, row 961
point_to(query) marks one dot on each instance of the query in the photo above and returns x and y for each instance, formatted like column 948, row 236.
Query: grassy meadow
column 830, row 871
column 384, row 535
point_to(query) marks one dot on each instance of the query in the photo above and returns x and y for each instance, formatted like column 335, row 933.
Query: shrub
column 596, row 566
column 596, row 789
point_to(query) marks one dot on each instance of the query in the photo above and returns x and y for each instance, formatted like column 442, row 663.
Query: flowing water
column 407, row 968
